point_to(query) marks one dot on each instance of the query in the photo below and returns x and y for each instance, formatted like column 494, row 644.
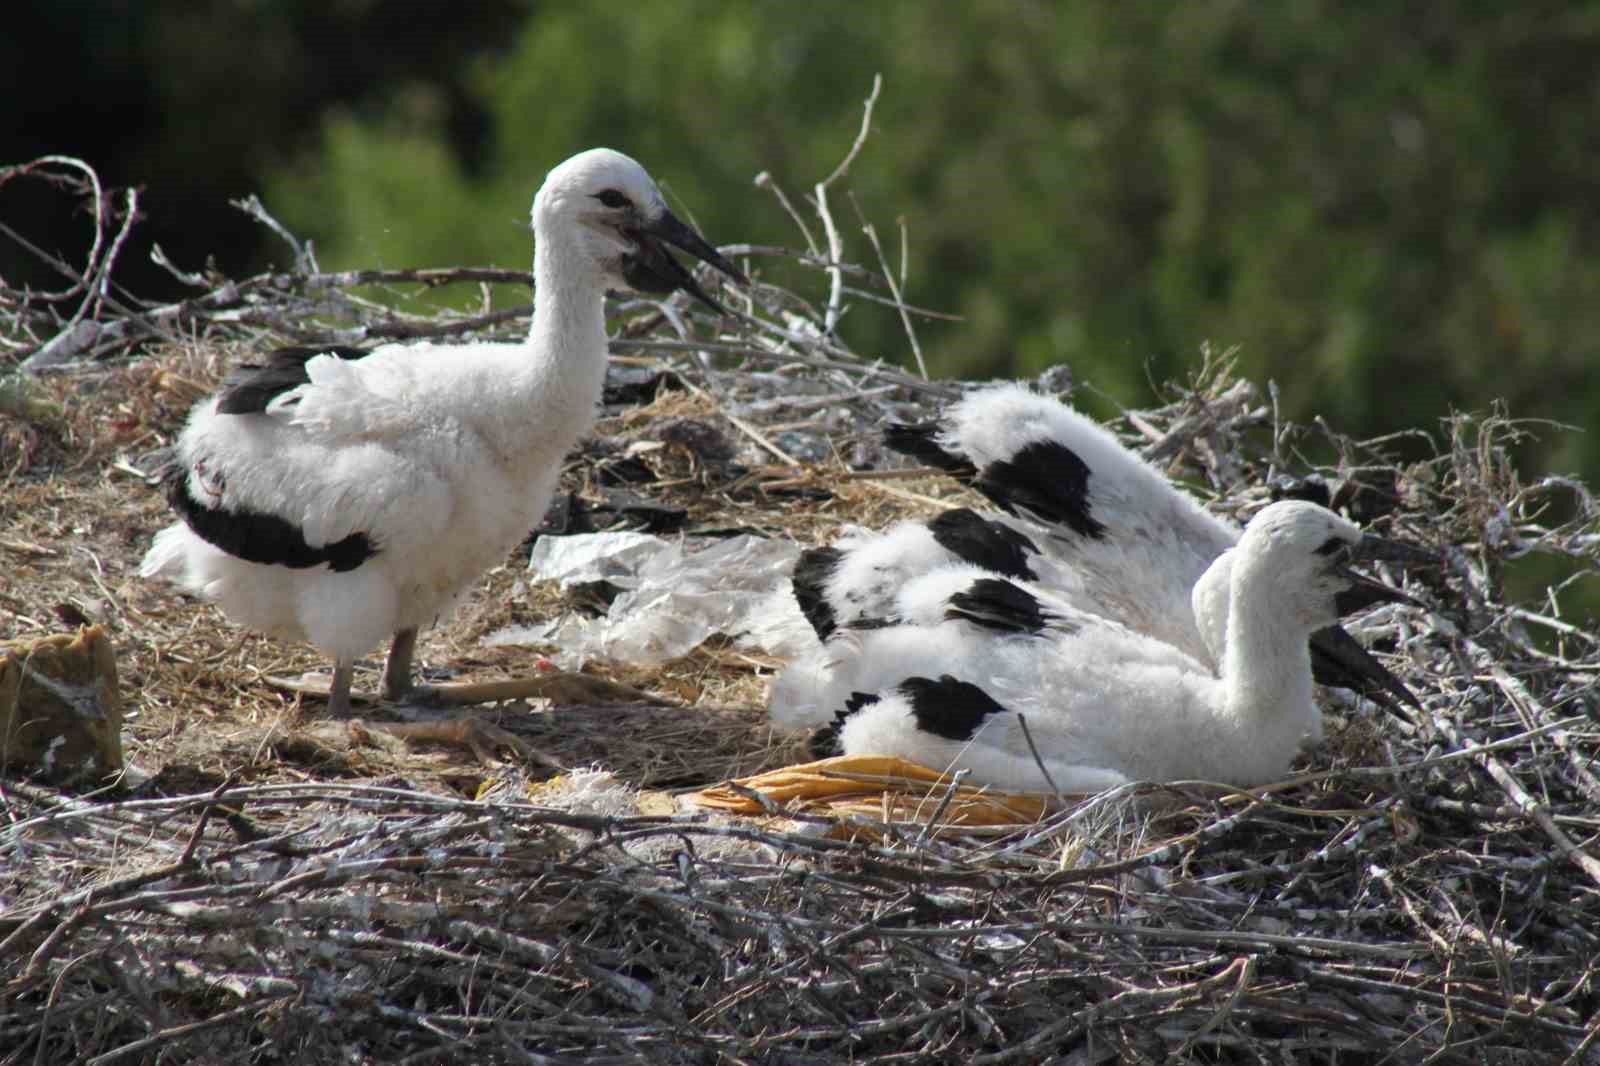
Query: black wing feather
column 975, row 539
column 252, row 386
column 811, row 572
column 257, row 537
column 948, row 707
column 917, row 440
column 1045, row 480
column 997, row 604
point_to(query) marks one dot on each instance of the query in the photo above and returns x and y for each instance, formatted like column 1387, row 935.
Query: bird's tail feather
column 338, row 401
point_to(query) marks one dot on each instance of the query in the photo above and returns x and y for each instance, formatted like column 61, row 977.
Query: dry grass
column 78, row 518
column 285, row 888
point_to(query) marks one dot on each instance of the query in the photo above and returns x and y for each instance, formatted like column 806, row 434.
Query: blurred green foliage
column 1391, row 209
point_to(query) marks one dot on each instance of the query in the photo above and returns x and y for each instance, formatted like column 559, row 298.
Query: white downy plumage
column 341, row 497
column 1091, row 524
column 1103, row 703
column 1135, row 542
column 1089, row 521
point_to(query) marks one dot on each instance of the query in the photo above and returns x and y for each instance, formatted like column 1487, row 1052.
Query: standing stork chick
column 342, row 496
column 1105, row 704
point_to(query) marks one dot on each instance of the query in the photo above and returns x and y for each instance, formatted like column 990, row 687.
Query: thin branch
column 820, row 201
column 895, row 288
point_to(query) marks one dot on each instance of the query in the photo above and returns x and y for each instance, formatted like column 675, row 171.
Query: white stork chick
column 1133, row 544
column 1104, row 704
column 1138, row 543
column 956, row 614
column 340, row 496
column 862, row 576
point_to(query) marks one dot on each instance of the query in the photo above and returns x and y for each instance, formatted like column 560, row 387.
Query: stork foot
column 562, row 689
column 483, row 739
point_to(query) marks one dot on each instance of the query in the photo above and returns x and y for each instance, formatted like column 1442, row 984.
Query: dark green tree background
column 1392, row 209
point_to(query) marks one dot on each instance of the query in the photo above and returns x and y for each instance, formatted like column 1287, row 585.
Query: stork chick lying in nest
column 969, row 655
column 1090, row 529
column 342, row 496
column 1088, row 520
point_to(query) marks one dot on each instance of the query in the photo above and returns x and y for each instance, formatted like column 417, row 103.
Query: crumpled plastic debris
column 676, row 593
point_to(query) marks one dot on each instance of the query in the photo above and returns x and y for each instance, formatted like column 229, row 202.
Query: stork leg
column 344, row 672
column 473, row 733
column 397, row 682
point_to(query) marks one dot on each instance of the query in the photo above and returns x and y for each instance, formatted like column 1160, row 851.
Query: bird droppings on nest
column 1419, row 889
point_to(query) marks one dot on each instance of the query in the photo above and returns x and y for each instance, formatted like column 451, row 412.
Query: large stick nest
column 285, row 889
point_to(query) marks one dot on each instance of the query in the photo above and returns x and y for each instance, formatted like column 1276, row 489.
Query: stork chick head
column 1302, row 552
column 611, row 207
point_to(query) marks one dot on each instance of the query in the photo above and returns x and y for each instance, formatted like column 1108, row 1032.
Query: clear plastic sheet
column 675, row 593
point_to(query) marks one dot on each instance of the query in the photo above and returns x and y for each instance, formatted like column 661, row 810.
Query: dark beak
column 1364, row 592
column 1337, row 658
column 1372, row 546
column 653, row 269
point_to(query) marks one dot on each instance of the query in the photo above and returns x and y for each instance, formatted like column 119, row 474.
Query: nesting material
column 1422, row 893
column 60, row 713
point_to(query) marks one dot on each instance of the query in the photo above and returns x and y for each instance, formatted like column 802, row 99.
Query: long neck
column 1266, row 667
column 1210, row 601
column 537, row 398
column 568, row 301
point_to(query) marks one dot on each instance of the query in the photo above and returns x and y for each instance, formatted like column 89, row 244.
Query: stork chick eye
column 1331, row 546
column 611, row 198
